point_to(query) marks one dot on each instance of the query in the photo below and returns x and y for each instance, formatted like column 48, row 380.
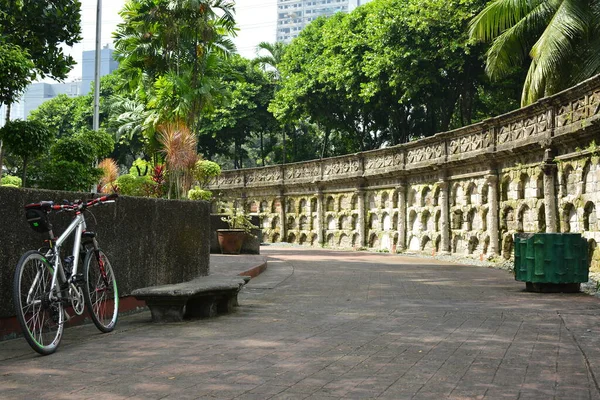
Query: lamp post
column 96, row 121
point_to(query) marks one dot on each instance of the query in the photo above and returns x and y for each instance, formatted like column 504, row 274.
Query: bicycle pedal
column 77, row 279
column 66, row 316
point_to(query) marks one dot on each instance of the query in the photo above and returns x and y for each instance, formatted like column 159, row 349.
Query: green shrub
column 65, row 175
column 10, row 185
column 205, row 170
column 10, row 180
column 199, row 194
column 133, row 185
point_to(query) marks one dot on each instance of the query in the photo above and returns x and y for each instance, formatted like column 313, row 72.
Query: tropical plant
column 110, row 173
column 179, row 149
column 170, row 53
column 560, row 40
column 238, row 219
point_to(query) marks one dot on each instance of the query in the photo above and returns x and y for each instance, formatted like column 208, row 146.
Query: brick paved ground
column 331, row 325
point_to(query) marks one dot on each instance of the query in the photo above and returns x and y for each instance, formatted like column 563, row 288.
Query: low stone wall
column 148, row 241
column 466, row 191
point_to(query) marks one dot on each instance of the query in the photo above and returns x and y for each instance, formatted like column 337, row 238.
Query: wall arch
column 385, row 200
column 330, row 204
column 426, row 196
column 587, row 181
column 589, row 217
column 569, row 219
column 504, row 188
column 472, row 196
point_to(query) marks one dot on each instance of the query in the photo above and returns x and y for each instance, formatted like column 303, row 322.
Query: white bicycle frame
column 76, row 226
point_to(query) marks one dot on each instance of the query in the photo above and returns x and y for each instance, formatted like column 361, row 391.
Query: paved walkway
column 321, row 324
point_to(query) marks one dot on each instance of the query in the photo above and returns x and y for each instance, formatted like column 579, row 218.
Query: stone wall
column 148, row 241
column 465, row 191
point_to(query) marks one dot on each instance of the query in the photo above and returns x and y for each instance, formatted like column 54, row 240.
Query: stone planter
column 231, row 240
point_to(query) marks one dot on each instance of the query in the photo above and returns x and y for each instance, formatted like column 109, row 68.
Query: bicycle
column 45, row 285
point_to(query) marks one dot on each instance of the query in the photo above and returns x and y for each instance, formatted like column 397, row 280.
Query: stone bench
column 202, row 297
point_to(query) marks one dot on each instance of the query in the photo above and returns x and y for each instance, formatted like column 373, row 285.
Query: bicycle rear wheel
column 40, row 318
column 100, row 291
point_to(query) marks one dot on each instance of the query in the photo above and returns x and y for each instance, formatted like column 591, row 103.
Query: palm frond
column 511, row 47
column 553, row 48
column 499, row 16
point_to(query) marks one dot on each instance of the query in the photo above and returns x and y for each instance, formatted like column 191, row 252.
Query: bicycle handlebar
column 48, row 205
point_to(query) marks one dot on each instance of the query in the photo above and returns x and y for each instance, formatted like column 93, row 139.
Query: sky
column 256, row 20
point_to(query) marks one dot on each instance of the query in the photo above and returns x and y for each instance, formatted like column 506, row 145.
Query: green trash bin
column 551, row 262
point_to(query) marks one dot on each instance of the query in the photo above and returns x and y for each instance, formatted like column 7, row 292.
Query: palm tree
column 272, row 58
column 560, row 39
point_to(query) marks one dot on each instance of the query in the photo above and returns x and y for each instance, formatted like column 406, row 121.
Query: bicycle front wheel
column 41, row 318
column 100, row 290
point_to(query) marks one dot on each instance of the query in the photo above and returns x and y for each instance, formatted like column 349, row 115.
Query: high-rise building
column 294, row 15
column 38, row 93
column 88, row 67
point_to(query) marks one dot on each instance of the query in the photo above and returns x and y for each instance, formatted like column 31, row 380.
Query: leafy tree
column 70, row 165
column 560, row 40
column 245, row 114
column 40, row 28
column 388, row 72
column 61, row 114
column 15, row 75
column 27, row 140
column 15, row 72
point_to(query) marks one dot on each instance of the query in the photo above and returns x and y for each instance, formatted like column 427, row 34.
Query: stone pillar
column 445, row 216
column 320, row 220
column 283, row 230
column 493, row 215
column 361, row 225
column 310, row 216
column 401, row 217
column 550, row 207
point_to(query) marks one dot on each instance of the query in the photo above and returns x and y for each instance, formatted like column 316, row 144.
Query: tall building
column 88, row 68
column 38, row 93
column 294, row 15
column 35, row 95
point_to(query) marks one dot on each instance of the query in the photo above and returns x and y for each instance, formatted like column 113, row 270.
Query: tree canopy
column 39, row 28
column 390, row 71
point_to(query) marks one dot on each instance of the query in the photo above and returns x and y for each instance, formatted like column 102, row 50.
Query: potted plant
column 232, row 239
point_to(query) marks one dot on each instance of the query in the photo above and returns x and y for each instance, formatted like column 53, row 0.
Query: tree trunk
column 284, row 149
column 325, row 143
column 262, row 149
column 1, row 144
column 24, row 175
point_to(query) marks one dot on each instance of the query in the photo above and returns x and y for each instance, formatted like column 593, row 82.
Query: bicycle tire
column 100, row 291
column 41, row 320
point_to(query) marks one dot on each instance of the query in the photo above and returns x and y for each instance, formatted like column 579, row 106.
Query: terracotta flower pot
column 231, row 240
